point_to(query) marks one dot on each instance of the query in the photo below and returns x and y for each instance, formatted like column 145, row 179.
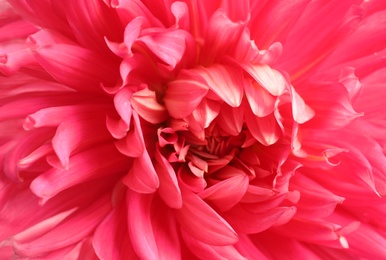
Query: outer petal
column 83, row 166
column 75, row 66
column 67, row 232
column 227, row 193
column 142, row 176
column 169, row 190
column 139, row 225
column 249, row 223
column 111, row 239
column 195, row 213
column 205, row 251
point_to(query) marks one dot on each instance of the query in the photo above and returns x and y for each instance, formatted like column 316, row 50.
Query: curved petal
column 142, row 176
column 195, row 213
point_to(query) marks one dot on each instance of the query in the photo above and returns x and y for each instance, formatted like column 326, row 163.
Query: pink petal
column 205, row 251
column 249, row 223
column 231, row 119
column 286, row 13
column 225, row 81
column 169, row 189
column 301, row 112
column 142, row 176
column 82, row 167
column 166, row 231
column 16, row 29
column 146, row 105
column 203, row 115
column 189, row 180
column 225, row 194
column 128, row 10
column 169, row 46
column 71, row 133
column 317, row 201
column 195, row 213
column 91, row 17
column 330, row 113
column 27, row 104
column 184, row 94
column 312, row 231
column 122, row 104
column 132, row 31
column 331, row 23
column 49, row 116
column 25, row 145
column 75, row 66
column 265, row 129
column 140, row 226
column 67, row 232
column 270, row 79
column 111, row 238
column 133, row 145
column 262, row 103
column 222, row 35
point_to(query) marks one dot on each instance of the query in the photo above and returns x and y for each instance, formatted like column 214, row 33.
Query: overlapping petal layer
column 169, row 129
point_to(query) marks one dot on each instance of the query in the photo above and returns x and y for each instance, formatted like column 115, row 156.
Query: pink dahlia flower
column 161, row 129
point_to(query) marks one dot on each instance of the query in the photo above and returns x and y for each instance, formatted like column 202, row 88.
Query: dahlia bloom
column 161, row 129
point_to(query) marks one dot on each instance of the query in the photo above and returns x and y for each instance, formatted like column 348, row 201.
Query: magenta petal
column 195, row 213
column 184, row 94
column 231, row 119
column 24, row 147
column 301, row 112
column 68, row 231
column 226, row 194
column 140, row 226
column 142, row 176
column 122, row 104
column 205, row 251
column 249, row 223
column 111, row 239
column 168, row 190
column 83, row 166
column 75, row 66
column 146, row 105
column 133, row 145
column 71, row 133
column 169, row 46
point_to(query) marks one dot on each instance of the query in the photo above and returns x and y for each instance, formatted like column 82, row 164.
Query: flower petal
column 270, row 79
column 146, row 105
column 168, row 190
column 225, row 81
column 195, row 213
column 67, row 232
column 265, row 129
column 184, row 94
column 142, row 176
column 205, row 251
column 227, row 193
column 83, row 166
column 140, row 226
